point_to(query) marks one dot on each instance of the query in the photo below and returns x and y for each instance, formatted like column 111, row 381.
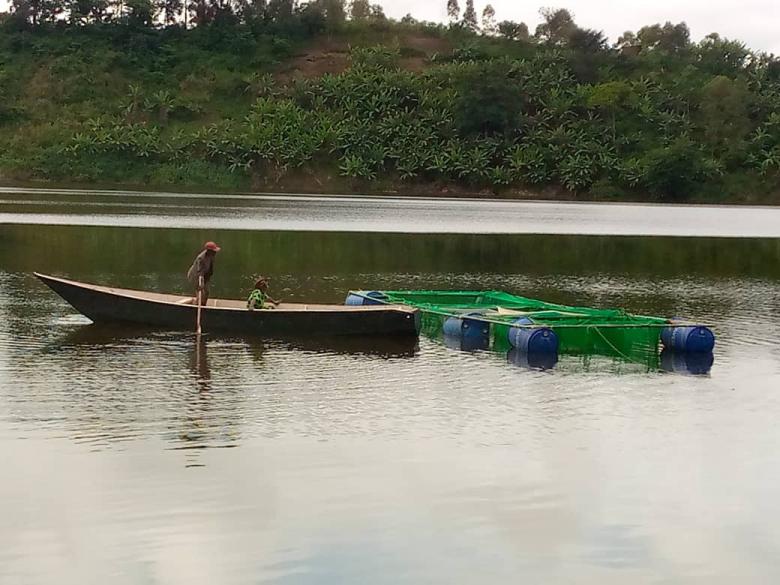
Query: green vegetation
column 280, row 95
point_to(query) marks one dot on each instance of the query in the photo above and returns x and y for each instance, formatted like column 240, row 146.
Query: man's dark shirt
column 202, row 266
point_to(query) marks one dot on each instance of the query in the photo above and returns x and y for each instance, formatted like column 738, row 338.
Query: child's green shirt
column 256, row 300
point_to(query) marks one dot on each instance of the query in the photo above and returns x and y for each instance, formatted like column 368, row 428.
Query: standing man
column 201, row 270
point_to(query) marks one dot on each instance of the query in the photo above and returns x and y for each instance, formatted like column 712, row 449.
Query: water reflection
column 199, row 364
column 98, row 335
column 532, row 361
column 202, row 387
column 209, row 419
column 403, row 346
column 354, row 461
column 379, row 214
column 102, row 335
column 695, row 364
column 324, row 266
column 466, row 343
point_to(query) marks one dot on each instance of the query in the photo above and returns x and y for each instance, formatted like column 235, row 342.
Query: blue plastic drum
column 532, row 340
column 374, row 298
column 474, row 329
column 695, row 339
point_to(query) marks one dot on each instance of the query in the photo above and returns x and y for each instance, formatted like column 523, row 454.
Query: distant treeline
column 160, row 13
column 223, row 94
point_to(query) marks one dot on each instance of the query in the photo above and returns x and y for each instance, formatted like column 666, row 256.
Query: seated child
column 258, row 298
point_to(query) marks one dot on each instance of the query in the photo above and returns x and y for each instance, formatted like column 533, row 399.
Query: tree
column 721, row 56
column 557, row 27
column 359, row 9
column 282, row 10
column 377, row 12
column 724, row 110
column 610, row 97
column 489, row 20
column 674, row 171
column 83, row 11
column 453, row 11
column 489, row 101
column 202, row 11
column 335, row 14
column 514, row 31
column 140, row 13
column 669, row 38
column 628, row 44
column 470, row 16
column 249, row 10
column 585, row 40
column 38, row 11
column 771, row 67
column 171, row 10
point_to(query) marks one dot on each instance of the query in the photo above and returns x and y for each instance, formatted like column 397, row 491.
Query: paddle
column 200, row 296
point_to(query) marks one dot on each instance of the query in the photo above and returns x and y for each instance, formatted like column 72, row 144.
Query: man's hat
column 211, row 246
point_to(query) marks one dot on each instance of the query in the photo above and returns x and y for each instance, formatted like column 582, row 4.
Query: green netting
column 579, row 329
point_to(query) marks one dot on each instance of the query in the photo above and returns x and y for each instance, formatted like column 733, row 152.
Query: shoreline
column 413, row 191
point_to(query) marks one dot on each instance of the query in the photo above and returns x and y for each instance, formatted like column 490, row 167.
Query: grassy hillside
column 383, row 106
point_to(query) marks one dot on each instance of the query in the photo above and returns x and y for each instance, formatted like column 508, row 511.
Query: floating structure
column 104, row 304
column 534, row 327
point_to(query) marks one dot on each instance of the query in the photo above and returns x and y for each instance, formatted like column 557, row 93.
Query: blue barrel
column 375, row 298
column 694, row 339
column 466, row 328
column 694, row 364
column 532, row 340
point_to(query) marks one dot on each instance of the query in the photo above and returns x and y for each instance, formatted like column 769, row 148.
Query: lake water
column 379, row 214
column 133, row 456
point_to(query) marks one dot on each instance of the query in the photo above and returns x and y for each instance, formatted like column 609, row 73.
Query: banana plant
column 769, row 161
column 408, row 168
column 134, row 102
column 163, row 103
column 530, row 163
column 632, row 172
column 577, row 171
column 499, row 176
column 259, row 84
column 354, row 166
column 237, row 163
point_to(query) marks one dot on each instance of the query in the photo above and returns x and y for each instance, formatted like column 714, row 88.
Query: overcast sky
column 754, row 22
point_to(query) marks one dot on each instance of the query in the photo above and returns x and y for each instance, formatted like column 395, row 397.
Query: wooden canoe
column 104, row 304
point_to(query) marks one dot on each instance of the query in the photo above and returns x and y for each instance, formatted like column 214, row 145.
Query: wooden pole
column 200, row 297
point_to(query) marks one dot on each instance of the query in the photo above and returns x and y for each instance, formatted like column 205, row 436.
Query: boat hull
column 104, row 305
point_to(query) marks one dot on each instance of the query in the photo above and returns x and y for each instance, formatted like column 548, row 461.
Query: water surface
column 379, row 214
column 136, row 456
